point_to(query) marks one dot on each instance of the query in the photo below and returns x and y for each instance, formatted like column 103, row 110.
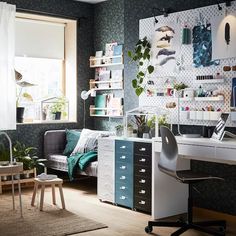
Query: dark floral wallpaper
column 215, row 195
column 119, row 20
column 33, row 134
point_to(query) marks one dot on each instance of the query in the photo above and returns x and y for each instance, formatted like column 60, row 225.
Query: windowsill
column 47, row 122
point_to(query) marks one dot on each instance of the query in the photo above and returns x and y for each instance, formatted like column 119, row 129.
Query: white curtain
column 7, row 74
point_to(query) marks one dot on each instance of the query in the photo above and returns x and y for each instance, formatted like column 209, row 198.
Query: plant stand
column 22, row 180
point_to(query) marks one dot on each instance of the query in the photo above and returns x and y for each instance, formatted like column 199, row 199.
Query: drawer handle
column 122, row 147
column 142, row 160
column 142, row 149
column 142, row 181
column 123, row 157
column 142, row 191
column 142, row 171
column 142, row 202
column 122, row 197
column 122, row 167
column 122, row 177
column 122, row 187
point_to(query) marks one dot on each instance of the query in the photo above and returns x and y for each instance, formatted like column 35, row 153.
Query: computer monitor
column 218, row 132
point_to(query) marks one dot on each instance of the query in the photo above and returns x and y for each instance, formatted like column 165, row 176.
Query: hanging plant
column 141, row 56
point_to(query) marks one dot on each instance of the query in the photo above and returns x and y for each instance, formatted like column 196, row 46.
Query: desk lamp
column 84, row 95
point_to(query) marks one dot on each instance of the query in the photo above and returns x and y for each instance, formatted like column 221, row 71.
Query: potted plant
column 22, row 84
column 26, row 155
column 141, row 124
column 119, row 130
column 57, row 109
column 151, row 125
column 141, row 55
column 162, row 121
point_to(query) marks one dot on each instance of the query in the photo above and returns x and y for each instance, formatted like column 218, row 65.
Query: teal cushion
column 72, row 137
column 86, row 158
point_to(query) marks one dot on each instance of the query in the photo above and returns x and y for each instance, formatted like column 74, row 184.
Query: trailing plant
column 141, row 56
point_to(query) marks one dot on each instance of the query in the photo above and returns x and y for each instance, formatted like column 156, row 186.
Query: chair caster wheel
column 148, row 229
column 222, row 229
column 180, row 220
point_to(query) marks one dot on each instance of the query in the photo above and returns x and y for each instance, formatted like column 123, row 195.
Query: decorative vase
column 20, row 114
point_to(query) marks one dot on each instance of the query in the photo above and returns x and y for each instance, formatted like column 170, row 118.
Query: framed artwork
column 202, row 46
column 223, row 37
column 166, row 46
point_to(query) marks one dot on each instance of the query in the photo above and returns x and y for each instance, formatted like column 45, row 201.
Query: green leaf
column 141, row 63
column 134, row 83
column 141, row 80
column 129, row 54
column 138, row 91
column 141, row 73
column 150, row 69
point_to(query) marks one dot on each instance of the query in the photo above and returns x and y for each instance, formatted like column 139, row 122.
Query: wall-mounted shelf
column 93, row 61
column 106, row 110
column 210, row 81
column 209, row 99
column 113, row 85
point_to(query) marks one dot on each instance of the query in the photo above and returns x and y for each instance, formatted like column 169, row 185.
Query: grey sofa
column 54, row 145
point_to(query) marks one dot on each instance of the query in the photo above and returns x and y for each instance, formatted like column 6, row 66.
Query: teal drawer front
column 124, row 188
column 124, row 157
column 124, row 147
column 124, row 199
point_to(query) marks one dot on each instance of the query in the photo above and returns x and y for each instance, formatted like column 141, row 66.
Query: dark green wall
column 33, row 134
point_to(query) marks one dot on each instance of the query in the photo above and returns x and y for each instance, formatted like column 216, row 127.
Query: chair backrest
column 169, row 152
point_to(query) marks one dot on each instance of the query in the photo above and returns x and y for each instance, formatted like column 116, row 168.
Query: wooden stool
column 52, row 183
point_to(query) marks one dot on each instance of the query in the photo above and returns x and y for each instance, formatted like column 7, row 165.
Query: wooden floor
column 80, row 198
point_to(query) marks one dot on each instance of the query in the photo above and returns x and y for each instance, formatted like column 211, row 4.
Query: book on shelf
column 100, row 102
column 101, row 74
column 117, row 51
column 109, row 52
column 117, row 75
column 104, row 76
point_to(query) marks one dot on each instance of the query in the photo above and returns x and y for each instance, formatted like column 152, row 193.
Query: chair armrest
column 54, row 142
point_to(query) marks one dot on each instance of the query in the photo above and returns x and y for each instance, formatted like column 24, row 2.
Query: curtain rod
column 18, row 9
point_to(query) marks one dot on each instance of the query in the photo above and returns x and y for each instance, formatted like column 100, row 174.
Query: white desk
column 170, row 197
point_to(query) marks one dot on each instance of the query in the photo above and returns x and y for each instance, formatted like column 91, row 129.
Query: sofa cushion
column 72, row 137
column 88, row 140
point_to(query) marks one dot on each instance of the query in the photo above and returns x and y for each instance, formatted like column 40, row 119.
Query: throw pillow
column 72, row 137
column 88, row 140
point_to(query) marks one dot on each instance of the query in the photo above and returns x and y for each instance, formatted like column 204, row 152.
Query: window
column 46, row 58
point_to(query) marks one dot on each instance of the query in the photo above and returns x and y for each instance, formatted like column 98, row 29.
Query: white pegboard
column 189, row 73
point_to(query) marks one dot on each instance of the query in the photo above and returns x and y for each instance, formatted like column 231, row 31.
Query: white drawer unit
column 106, row 164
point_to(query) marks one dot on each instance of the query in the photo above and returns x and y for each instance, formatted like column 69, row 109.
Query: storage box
column 192, row 115
column 199, row 115
column 215, row 115
column 184, row 115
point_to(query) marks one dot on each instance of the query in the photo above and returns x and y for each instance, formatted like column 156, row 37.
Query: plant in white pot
column 21, row 95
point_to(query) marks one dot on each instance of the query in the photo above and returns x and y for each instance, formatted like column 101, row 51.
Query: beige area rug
column 52, row 221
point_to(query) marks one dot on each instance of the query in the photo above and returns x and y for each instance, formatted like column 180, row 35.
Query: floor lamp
column 84, row 95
